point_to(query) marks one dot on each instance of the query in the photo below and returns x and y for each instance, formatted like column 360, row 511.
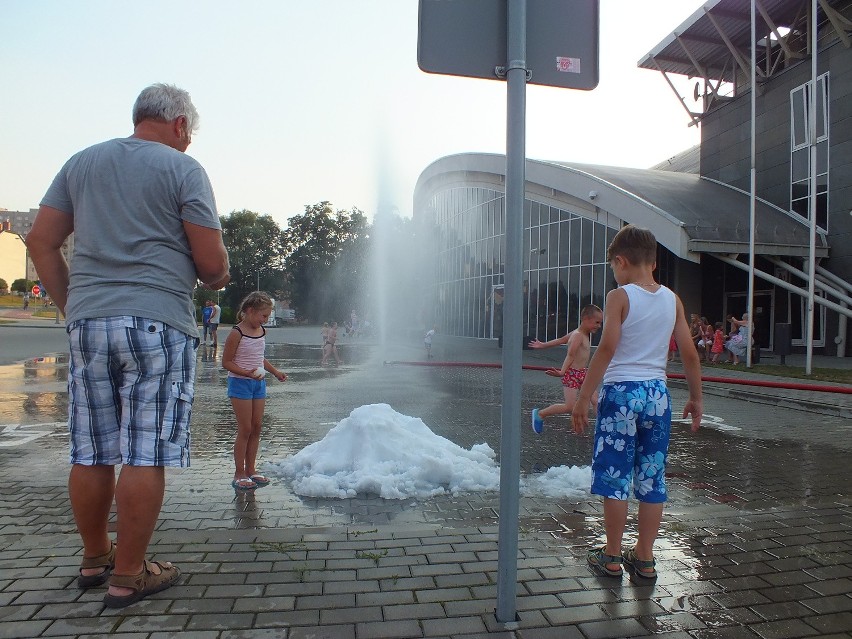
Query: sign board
column 36, row 290
column 468, row 38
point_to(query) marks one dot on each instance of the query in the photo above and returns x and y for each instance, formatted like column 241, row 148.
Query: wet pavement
column 756, row 539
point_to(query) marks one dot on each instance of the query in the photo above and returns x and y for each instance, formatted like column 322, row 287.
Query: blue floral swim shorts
column 632, row 440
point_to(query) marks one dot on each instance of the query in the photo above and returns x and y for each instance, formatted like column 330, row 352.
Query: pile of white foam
column 378, row 451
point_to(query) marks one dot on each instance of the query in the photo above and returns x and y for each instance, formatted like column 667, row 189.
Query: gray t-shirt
column 129, row 198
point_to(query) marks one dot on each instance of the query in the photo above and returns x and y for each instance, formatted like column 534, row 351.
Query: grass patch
column 838, row 375
column 277, row 546
column 47, row 312
column 12, row 300
column 375, row 556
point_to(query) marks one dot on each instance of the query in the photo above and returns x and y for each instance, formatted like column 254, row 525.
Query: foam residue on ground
column 378, row 451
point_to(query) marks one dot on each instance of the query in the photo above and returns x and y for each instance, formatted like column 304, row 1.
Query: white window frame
column 799, row 97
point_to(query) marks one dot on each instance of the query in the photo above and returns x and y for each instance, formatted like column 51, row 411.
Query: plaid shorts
column 130, row 388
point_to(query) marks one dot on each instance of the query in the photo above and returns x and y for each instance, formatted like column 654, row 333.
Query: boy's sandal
column 641, row 567
column 105, row 561
column 155, row 576
column 260, row 480
column 598, row 559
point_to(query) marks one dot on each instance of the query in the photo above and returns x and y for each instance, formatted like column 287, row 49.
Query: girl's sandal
column 644, row 568
column 155, row 576
column 244, row 483
column 260, row 480
column 598, row 559
column 105, row 561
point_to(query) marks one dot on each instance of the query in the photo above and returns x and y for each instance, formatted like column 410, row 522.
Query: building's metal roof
column 714, row 215
column 688, row 161
column 689, row 214
column 697, row 47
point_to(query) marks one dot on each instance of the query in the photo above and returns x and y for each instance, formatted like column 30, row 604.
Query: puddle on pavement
column 461, row 404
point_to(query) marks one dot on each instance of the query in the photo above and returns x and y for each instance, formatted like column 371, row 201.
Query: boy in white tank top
column 634, row 408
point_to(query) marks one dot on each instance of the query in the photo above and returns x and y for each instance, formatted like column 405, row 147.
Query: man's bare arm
column 209, row 254
column 44, row 242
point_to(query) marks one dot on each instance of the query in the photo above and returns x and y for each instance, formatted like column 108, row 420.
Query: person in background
column 206, row 312
column 573, row 370
column 706, row 339
column 145, row 230
column 243, row 358
column 696, row 333
column 672, row 348
column 427, row 341
column 633, row 424
column 330, row 345
column 718, row 342
column 215, row 318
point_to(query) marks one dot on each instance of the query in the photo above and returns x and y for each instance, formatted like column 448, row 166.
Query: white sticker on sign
column 567, row 65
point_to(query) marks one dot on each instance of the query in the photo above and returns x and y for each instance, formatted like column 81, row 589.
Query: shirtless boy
column 573, row 370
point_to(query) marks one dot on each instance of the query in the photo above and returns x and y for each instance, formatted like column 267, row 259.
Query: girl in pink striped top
column 243, row 359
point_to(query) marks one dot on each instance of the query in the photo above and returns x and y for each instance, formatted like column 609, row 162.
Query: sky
column 304, row 101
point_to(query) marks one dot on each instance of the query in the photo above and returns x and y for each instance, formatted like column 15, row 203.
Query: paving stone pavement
column 755, row 540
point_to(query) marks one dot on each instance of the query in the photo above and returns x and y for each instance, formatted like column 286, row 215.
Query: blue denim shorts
column 632, row 440
column 131, row 383
column 244, row 388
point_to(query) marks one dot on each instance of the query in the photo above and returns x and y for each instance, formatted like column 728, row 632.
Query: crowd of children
column 712, row 344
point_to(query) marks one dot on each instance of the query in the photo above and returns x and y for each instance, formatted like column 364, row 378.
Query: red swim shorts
column 574, row 377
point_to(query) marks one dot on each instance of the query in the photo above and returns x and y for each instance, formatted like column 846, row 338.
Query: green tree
column 255, row 245
column 4, row 285
column 326, row 261
column 21, row 285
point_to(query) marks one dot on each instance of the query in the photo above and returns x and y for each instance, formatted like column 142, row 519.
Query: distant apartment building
column 697, row 204
column 20, row 223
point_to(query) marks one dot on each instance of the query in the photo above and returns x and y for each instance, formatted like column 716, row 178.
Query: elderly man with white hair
column 145, row 230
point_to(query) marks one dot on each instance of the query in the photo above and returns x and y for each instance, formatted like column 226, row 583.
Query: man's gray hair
column 165, row 102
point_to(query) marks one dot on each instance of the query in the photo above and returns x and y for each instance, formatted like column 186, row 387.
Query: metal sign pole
column 752, row 188
column 510, row 438
column 812, row 189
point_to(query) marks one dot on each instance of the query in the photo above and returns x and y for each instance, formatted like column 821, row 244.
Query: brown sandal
column 105, row 561
column 154, row 577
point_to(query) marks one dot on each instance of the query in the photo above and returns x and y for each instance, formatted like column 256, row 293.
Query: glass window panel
column 561, row 301
column 800, row 205
column 537, row 258
column 600, row 244
column 587, row 244
column 585, row 285
column 573, row 313
column 555, row 302
column 800, row 163
column 538, row 314
column 821, row 123
column 526, row 214
column 822, row 157
column 534, row 214
column 575, row 239
column 564, row 243
column 552, row 231
column 544, row 214
column 599, row 290
column 610, row 235
column 798, row 117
